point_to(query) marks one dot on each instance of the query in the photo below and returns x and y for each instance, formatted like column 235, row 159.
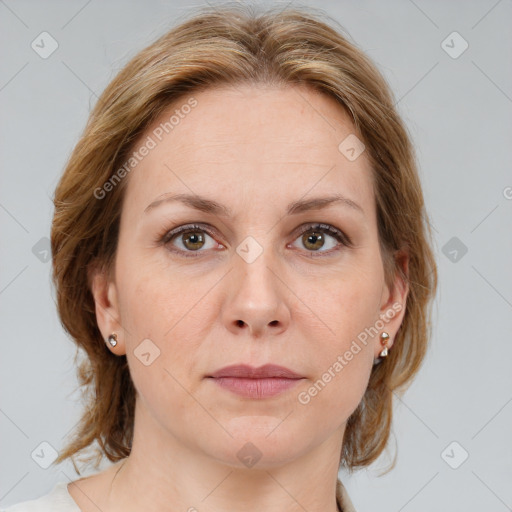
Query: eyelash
column 168, row 236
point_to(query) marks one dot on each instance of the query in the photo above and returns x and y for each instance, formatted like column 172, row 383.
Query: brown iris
column 193, row 240
column 312, row 238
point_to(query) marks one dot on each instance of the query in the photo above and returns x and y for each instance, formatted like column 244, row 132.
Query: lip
column 245, row 371
column 257, row 383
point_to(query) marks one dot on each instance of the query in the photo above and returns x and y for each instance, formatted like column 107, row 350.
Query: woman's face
column 256, row 281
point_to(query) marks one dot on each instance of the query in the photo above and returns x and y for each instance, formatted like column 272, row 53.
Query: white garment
column 346, row 502
column 59, row 500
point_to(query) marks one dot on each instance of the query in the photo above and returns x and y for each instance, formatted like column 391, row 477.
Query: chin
column 259, row 442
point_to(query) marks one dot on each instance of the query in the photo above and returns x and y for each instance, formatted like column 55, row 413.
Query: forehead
column 256, row 141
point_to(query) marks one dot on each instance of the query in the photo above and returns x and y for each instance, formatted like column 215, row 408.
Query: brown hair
column 230, row 46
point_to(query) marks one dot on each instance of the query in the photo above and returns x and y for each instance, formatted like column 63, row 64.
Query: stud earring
column 384, row 337
column 112, row 339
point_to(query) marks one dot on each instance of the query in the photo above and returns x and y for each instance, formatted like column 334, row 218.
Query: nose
column 257, row 299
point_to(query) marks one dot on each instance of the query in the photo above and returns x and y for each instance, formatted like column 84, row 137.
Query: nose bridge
column 253, row 262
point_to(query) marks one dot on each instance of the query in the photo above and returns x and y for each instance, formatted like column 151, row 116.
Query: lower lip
column 256, row 388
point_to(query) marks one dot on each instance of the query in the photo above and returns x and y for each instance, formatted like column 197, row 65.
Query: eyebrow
column 209, row 206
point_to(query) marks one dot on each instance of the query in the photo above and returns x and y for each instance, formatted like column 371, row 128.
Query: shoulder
column 57, row 500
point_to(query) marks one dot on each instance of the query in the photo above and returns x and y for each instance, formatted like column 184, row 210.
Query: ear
column 393, row 302
column 105, row 294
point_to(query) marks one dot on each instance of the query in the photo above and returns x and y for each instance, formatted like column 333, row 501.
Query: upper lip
column 245, row 371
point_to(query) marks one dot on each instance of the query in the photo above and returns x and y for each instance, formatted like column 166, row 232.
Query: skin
column 253, row 149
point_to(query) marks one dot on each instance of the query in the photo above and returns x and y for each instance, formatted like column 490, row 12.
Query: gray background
column 459, row 113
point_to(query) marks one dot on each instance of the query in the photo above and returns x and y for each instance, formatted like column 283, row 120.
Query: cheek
column 348, row 302
column 338, row 390
column 152, row 309
column 343, row 353
column 348, row 308
column 155, row 298
column 172, row 311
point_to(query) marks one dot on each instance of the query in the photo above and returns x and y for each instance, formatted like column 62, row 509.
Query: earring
column 384, row 337
column 112, row 339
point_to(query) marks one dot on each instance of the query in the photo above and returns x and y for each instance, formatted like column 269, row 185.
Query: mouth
column 256, row 383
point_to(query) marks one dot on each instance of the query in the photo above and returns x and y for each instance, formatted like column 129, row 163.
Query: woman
column 240, row 248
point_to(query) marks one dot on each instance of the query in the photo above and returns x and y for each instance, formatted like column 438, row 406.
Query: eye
column 322, row 238
column 192, row 239
column 189, row 239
